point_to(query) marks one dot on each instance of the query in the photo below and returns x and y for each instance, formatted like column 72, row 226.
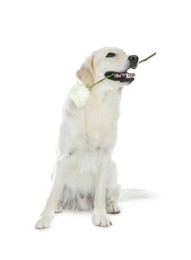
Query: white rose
column 79, row 94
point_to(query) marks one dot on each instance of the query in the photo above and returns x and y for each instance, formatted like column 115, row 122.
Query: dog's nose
column 133, row 59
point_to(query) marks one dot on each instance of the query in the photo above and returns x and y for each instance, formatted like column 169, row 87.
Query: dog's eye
column 110, row 55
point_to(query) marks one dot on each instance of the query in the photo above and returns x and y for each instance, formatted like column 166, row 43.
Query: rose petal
column 80, row 95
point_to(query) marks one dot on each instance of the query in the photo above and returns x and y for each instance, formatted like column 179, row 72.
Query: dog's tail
column 131, row 194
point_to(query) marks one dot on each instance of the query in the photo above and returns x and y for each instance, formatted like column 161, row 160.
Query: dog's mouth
column 124, row 76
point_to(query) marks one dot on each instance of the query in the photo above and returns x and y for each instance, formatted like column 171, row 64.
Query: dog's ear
column 86, row 71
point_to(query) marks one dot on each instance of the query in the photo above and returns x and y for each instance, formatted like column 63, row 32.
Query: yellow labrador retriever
column 85, row 175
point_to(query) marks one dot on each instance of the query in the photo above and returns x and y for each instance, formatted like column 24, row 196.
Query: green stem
column 148, row 57
column 99, row 81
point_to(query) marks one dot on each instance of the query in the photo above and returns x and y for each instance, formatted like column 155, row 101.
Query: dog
column 85, row 175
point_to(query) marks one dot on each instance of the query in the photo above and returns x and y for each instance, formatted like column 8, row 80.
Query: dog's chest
column 100, row 119
column 91, row 127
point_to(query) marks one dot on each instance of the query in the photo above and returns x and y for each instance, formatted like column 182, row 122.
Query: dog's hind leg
column 112, row 200
column 59, row 206
column 67, row 200
column 112, row 191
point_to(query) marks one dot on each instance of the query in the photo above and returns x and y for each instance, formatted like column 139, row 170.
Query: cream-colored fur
column 85, row 175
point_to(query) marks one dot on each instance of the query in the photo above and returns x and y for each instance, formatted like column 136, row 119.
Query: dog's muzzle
column 124, row 76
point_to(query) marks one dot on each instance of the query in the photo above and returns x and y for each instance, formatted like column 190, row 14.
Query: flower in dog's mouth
column 81, row 93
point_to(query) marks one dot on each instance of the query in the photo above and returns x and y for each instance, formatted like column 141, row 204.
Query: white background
column 42, row 44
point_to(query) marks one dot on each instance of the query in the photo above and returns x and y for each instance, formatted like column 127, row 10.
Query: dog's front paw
column 43, row 223
column 101, row 220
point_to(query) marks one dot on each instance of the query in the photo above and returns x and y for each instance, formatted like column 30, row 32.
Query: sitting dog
column 85, row 175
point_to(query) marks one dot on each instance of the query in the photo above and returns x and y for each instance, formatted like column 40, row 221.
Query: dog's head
column 108, row 62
